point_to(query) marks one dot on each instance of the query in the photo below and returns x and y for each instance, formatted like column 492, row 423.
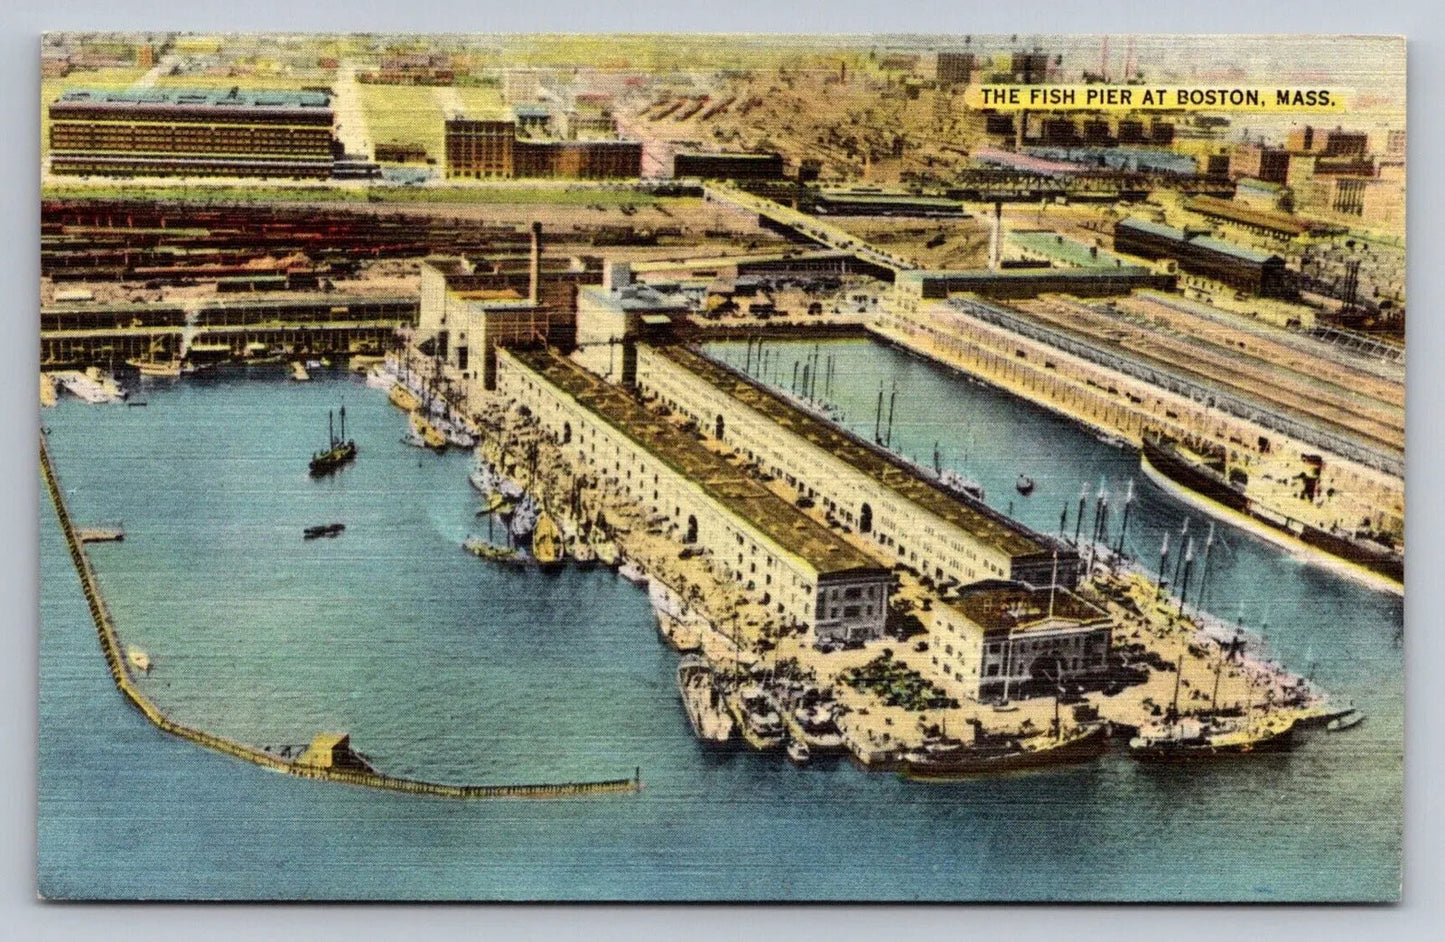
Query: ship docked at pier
column 1203, row 478
column 704, row 701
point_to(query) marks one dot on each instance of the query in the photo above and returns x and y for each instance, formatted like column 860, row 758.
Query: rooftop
column 633, row 297
column 1014, row 607
column 197, row 98
column 1248, row 215
column 892, row 472
column 767, row 513
column 1069, row 251
column 1216, row 245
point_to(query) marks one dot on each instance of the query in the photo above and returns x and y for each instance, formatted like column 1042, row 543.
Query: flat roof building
column 192, row 132
column 1241, row 268
column 911, row 521
column 499, row 147
column 1002, row 640
column 778, row 556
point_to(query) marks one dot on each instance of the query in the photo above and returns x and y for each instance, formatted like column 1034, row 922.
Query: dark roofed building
column 1241, row 268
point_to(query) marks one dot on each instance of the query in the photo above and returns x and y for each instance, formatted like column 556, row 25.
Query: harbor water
column 443, row 667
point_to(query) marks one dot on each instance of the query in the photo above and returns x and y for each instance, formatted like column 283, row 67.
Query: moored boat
column 547, row 543
column 1211, row 736
column 497, row 554
column 1024, row 485
column 703, row 701
column 989, row 753
column 138, row 659
column 1349, row 721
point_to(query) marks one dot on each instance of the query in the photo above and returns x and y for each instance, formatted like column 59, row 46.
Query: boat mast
column 343, row 422
column 331, row 427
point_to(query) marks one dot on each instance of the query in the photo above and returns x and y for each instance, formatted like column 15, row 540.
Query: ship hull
column 1188, row 751
column 1083, row 748
column 1164, row 462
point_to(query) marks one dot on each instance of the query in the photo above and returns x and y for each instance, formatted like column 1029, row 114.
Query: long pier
column 110, row 646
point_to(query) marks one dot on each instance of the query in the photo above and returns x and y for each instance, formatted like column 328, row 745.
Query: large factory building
column 1240, row 268
column 499, row 148
column 938, row 534
column 184, row 132
column 783, row 559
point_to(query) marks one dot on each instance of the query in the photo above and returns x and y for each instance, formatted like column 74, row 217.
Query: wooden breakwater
column 115, row 659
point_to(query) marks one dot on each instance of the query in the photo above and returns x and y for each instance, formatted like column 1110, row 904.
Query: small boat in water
column 138, row 659
column 1349, row 721
column 607, row 551
column 341, row 451
column 1024, row 485
column 323, row 530
column 582, row 553
column 426, row 433
column 798, row 752
column 402, row 398
column 497, row 554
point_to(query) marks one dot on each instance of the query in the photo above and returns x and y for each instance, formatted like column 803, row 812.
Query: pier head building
column 1004, row 641
column 944, row 537
column 799, row 570
column 614, row 316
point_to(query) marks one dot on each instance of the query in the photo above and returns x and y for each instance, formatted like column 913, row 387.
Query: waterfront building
column 192, row 132
column 1241, row 268
column 467, row 309
column 909, row 520
column 797, row 568
column 1004, row 640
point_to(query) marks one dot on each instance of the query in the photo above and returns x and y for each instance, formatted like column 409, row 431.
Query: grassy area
column 284, row 193
column 262, row 82
column 896, row 684
column 406, row 113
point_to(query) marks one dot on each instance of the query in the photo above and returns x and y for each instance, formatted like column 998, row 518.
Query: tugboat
column 342, row 450
column 1024, row 485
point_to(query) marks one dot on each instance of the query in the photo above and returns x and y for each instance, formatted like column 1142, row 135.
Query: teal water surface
column 445, row 668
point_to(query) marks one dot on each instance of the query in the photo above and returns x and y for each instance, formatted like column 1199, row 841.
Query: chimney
column 995, row 238
column 534, row 281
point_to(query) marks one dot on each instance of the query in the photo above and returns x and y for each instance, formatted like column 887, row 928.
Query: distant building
column 728, row 166
column 499, row 148
column 955, row 68
column 1238, row 267
column 1270, row 164
column 180, row 132
column 1005, row 640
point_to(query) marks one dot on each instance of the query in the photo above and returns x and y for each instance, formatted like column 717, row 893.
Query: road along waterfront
column 443, row 665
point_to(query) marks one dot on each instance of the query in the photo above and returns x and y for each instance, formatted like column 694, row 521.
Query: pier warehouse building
column 1243, row 269
column 185, row 132
column 500, row 148
column 779, row 556
column 940, row 535
column 1004, row 641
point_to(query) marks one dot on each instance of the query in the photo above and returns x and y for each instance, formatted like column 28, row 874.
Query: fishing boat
column 607, row 552
column 138, row 659
column 524, row 518
column 1349, row 721
column 547, row 544
column 426, row 433
column 798, row 753
column 402, row 398
column 1024, row 485
column 999, row 752
column 703, row 701
column 342, row 450
column 959, row 484
column 1211, row 736
column 167, row 369
column 323, row 530
column 761, row 725
column 498, row 554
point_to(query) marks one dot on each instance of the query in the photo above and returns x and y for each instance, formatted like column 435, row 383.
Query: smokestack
column 995, row 238
column 535, row 272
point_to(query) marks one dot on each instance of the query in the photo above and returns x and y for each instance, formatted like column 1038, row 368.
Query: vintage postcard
column 737, row 468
